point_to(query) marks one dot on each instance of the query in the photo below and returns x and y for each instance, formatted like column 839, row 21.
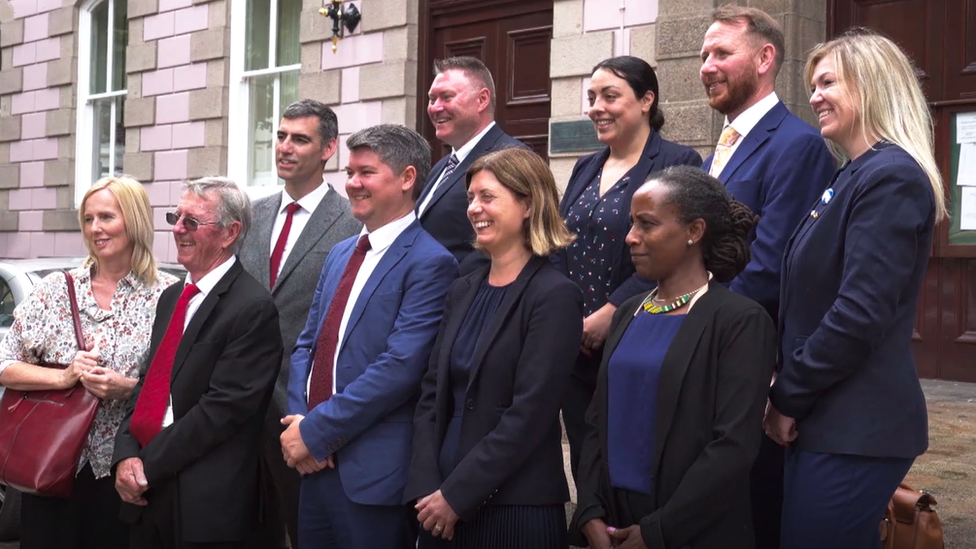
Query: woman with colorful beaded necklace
column 671, row 434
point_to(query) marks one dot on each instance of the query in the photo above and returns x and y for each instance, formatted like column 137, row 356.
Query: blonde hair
column 886, row 95
column 137, row 216
column 527, row 176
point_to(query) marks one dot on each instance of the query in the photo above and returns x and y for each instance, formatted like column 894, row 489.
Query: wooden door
column 940, row 37
column 512, row 39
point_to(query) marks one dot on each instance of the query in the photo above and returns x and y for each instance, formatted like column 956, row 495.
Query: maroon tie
column 279, row 248
column 320, row 387
column 147, row 419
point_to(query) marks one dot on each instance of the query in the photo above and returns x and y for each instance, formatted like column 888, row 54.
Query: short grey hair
column 234, row 205
column 398, row 147
column 328, row 122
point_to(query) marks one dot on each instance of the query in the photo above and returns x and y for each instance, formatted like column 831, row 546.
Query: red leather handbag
column 42, row 433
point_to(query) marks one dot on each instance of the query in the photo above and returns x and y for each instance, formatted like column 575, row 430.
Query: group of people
column 389, row 370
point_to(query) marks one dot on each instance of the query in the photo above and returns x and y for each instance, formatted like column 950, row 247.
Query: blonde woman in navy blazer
column 847, row 400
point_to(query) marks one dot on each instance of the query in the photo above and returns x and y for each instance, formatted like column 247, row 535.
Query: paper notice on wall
column 967, row 209
column 966, row 127
column 966, row 175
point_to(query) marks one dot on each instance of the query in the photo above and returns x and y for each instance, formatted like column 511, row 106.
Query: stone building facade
column 167, row 90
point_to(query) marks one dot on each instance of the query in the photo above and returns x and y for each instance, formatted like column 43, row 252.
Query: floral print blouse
column 43, row 331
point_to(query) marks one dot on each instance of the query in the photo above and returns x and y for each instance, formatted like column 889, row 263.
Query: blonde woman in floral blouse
column 117, row 289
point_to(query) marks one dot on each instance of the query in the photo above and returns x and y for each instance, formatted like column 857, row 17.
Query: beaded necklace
column 649, row 306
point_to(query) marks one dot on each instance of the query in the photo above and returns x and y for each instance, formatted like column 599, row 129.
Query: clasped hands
column 780, row 428
column 436, row 515
column 602, row 536
column 105, row 383
column 294, row 451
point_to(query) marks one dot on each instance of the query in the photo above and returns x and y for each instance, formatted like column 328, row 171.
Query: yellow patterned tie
column 723, row 150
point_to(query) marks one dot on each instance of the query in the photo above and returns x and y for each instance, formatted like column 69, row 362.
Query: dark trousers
column 328, row 519
column 158, row 526
column 833, row 500
column 579, row 393
column 766, row 492
column 89, row 520
column 280, row 486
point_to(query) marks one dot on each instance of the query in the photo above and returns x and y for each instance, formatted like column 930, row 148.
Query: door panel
column 960, row 51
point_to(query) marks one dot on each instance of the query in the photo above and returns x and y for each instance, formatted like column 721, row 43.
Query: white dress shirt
column 299, row 219
column 461, row 154
column 380, row 241
column 745, row 122
column 205, row 285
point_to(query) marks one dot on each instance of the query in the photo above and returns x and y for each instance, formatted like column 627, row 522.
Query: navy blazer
column 383, row 356
column 510, row 447
column 851, row 279
column 658, row 154
column 446, row 217
column 779, row 171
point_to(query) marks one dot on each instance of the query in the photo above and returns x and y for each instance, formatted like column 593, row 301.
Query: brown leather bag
column 910, row 522
column 42, row 433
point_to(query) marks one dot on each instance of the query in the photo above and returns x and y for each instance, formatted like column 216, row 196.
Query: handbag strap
column 75, row 315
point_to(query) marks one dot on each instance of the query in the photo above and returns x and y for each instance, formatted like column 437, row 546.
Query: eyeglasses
column 190, row 223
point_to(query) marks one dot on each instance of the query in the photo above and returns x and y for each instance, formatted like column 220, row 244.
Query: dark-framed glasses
column 190, row 223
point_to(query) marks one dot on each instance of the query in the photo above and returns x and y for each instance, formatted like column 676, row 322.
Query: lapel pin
column 827, row 195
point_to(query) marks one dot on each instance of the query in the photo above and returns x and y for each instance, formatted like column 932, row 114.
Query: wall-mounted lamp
column 348, row 19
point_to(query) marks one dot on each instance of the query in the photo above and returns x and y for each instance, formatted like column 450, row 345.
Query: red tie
column 279, row 248
column 147, row 419
column 320, row 387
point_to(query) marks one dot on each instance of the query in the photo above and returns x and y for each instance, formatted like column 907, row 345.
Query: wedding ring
column 438, row 528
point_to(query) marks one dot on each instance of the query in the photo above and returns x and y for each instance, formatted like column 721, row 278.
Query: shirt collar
column 382, row 238
column 209, row 280
column 465, row 150
column 308, row 202
column 745, row 122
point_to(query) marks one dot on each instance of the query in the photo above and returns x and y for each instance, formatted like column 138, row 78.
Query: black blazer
column 446, row 217
column 851, row 279
column 658, row 154
column 712, row 394
column 511, row 441
column 204, row 467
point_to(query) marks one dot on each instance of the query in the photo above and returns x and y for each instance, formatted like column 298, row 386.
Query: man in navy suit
column 356, row 367
column 771, row 161
column 462, row 109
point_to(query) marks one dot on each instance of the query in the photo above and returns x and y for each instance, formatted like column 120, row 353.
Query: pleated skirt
column 506, row 527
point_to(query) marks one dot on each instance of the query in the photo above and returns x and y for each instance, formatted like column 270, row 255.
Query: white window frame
column 85, row 118
column 239, row 137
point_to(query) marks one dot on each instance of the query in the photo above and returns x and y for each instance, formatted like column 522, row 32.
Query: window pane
column 289, row 25
column 288, row 92
column 121, row 29
column 257, row 29
column 99, row 47
column 104, row 150
column 262, row 131
column 119, row 135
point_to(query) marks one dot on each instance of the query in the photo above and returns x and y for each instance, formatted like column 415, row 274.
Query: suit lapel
column 435, row 172
column 201, row 315
column 583, row 180
column 513, row 295
column 322, row 219
column 264, row 221
column 479, row 150
column 759, row 135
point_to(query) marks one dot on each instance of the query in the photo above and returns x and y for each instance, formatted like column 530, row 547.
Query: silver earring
column 690, row 242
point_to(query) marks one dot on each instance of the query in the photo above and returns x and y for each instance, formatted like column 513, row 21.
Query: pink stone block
column 48, row 50
column 192, row 19
column 42, row 244
column 48, row 5
column 157, row 26
column 175, row 192
column 168, row 5
column 35, row 76
column 171, row 164
column 173, row 51
column 31, row 175
column 338, row 181
column 31, row 221
column 156, row 138
column 22, row 102
column 22, row 151
column 350, row 85
column 173, row 108
column 25, row 54
column 157, row 82
column 35, row 28
column 159, row 217
column 18, row 245
column 189, row 77
column 33, row 126
column 160, row 246
column 601, row 15
column 19, row 199
column 357, row 116
column 23, row 8
column 343, row 162
column 47, row 99
column 69, row 244
column 353, row 51
column 186, row 136
column 158, row 193
column 640, row 12
column 44, row 198
column 46, row 149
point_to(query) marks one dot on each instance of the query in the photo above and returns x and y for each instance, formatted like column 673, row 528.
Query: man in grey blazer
column 292, row 233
